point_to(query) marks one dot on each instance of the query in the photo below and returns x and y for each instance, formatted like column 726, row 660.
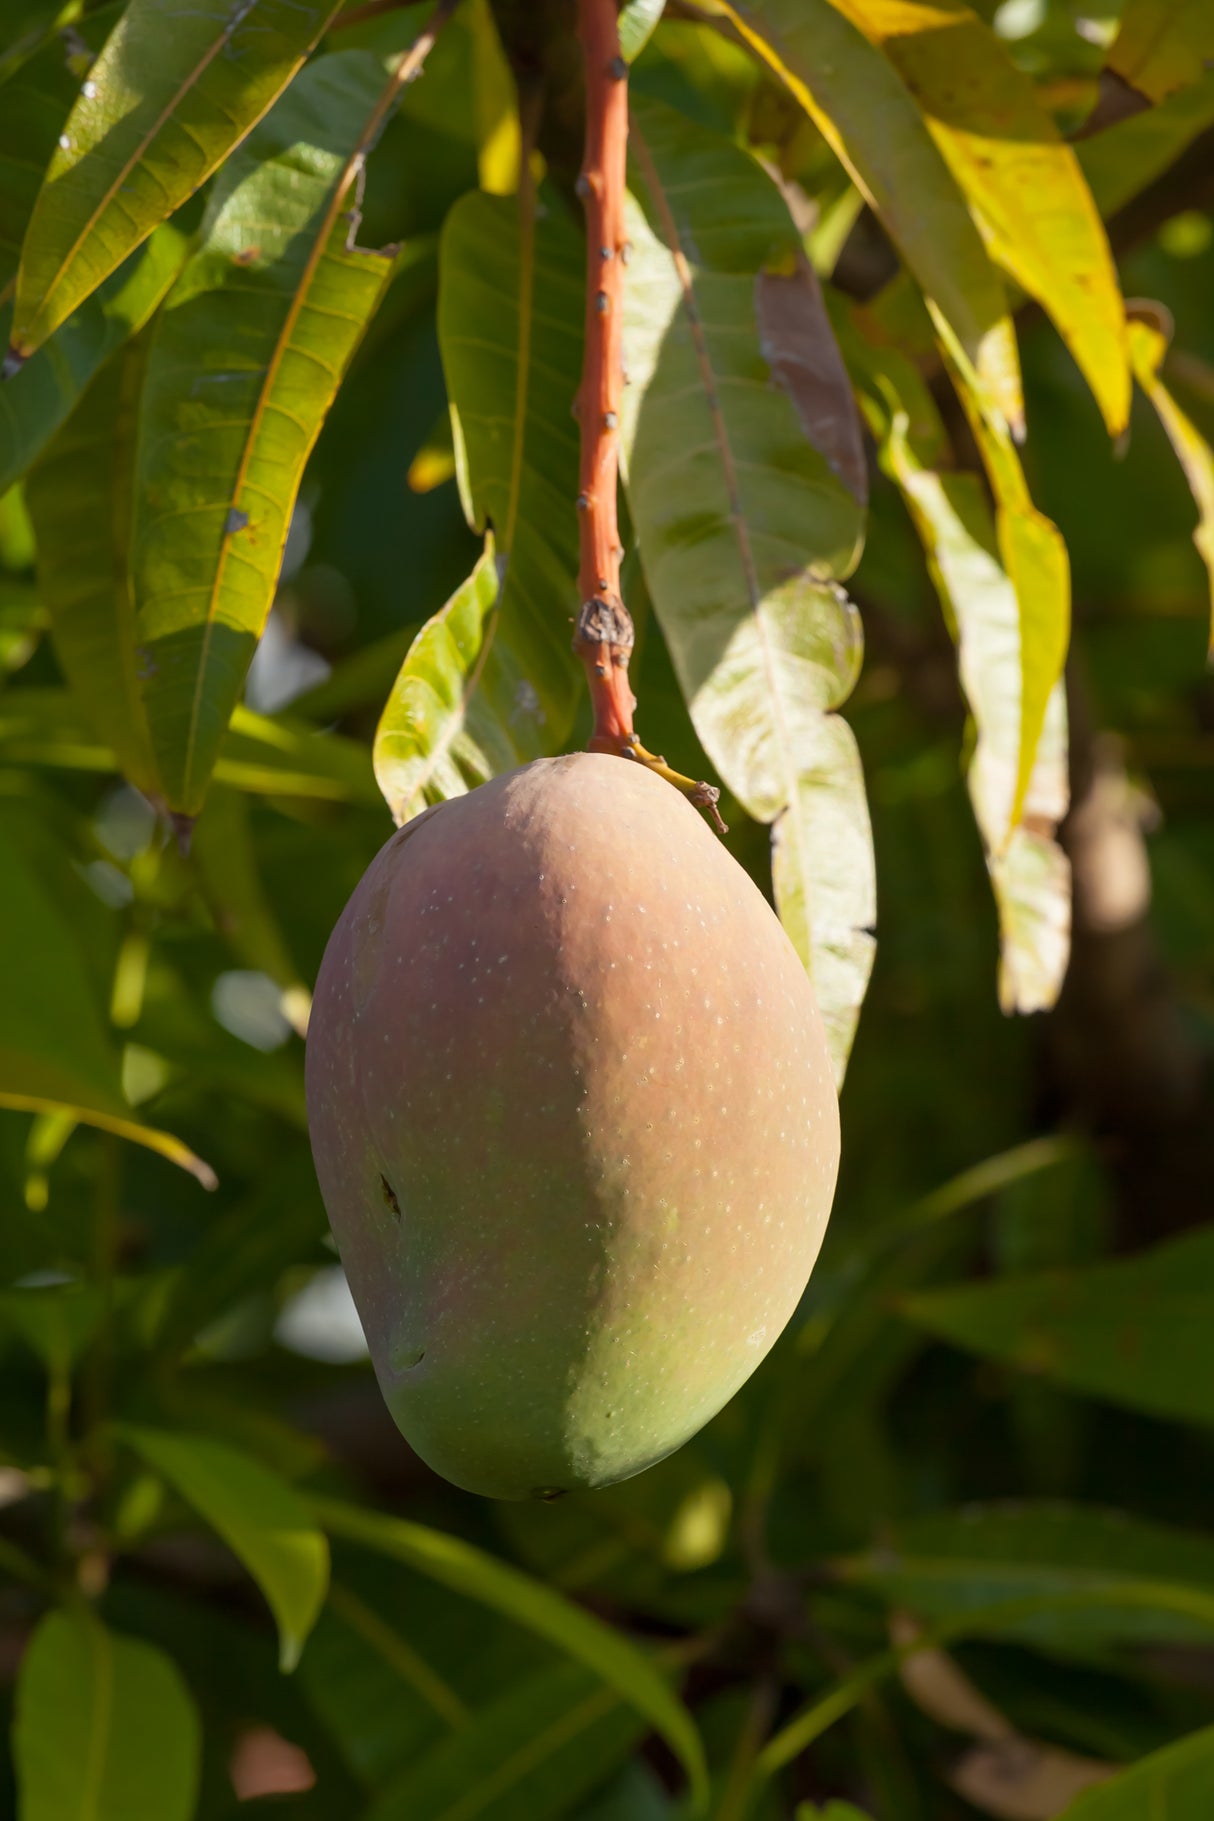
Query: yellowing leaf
column 1024, row 183
column 872, row 122
column 1030, row 874
column 1148, row 346
column 1163, row 45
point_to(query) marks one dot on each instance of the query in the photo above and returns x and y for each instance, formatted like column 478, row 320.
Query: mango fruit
column 574, row 1122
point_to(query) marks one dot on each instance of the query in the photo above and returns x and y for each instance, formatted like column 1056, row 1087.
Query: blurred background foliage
column 987, row 1431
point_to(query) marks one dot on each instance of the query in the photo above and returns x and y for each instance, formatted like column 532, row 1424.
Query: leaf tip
column 13, row 362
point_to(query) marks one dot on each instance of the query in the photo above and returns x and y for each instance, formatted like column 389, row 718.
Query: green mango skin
column 574, row 1122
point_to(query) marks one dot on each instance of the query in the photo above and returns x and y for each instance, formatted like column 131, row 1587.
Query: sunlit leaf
column 80, row 497
column 738, row 483
column 1175, row 1784
column 1029, row 872
column 1024, row 183
column 35, row 402
column 170, row 95
column 527, row 1756
column 260, row 1517
column 36, row 94
column 438, row 736
column 54, row 1048
column 874, row 124
column 1163, row 45
column 1035, row 560
column 1150, row 333
column 1134, row 1331
column 1141, row 1582
column 608, row 1652
column 105, row 1727
column 244, row 363
column 638, row 21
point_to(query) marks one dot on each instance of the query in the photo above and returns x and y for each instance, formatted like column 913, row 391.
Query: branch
column 603, row 636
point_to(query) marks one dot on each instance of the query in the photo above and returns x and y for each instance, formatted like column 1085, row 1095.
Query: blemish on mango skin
column 587, row 1064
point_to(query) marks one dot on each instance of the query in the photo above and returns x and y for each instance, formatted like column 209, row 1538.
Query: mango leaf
column 437, row 737
column 736, row 431
column 56, row 1321
column 1122, row 160
column 33, row 107
column 607, row 1652
column 1035, row 560
column 245, row 361
column 260, row 1517
column 54, row 1049
column 164, row 103
column 1024, row 183
column 528, row 1756
column 1163, row 45
column 79, row 497
column 104, row 1728
column 1135, row 1331
column 1150, row 333
column 273, row 756
column 490, row 682
column 37, row 400
column 638, row 22
column 1175, row 1784
column 1030, row 874
column 1141, row 1582
column 873, row 124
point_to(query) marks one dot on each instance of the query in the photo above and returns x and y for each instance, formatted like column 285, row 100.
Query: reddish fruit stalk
column 603, row 639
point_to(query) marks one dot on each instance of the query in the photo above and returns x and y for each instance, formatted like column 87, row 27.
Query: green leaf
column 54, row 1048
column 1163, row 46
column 1150, row 333
column 1030, row 874
column 874, row 125
column 36, row 95
column 273, row 756
column 1175, row 1784
column 1141, row 1582
column 260, row 1517
column 164, row 103
column 438, row 736
column 245, row 361
column 38, row 399
column 1024, row 184
column 105, row 1729
column 509, row 324
column 80, row 497
column 527, row 1756
column 225, row 863
column 1135, row 1331
column 1122, row 160
column 745, row 483
column 609, row 1653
